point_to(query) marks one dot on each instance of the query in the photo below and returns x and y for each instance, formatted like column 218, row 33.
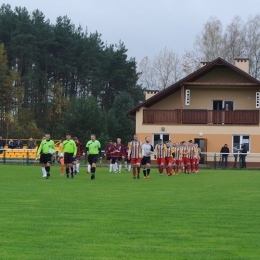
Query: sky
column 145, row 26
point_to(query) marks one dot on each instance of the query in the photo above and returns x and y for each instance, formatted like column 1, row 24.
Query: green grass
column 211, row 215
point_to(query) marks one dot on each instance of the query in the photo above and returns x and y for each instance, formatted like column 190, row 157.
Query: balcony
column 201, row 116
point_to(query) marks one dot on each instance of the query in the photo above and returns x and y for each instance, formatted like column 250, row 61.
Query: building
column 193, row 108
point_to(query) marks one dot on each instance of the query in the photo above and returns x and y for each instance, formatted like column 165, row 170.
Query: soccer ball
column 61, row 155
column 51, row 151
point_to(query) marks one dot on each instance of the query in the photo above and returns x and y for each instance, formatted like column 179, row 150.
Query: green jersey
column 69, row 146
column 45, row 147
column 93, row 147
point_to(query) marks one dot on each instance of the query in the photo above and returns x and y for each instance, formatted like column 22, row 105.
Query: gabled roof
column 190, row 78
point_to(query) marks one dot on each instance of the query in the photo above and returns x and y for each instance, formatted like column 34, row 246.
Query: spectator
column 31, row 144
column 19, row 144
column 243, row 153
column 2, row 145
column 235, row 153
column 11, row 144
column 224, row 154
column 227, row 107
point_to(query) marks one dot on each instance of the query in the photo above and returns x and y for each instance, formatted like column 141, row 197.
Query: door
column 202, row 143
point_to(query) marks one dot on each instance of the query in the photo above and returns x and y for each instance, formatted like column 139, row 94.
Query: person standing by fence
column 243, row 153
column 224, row 154
column 235, row 153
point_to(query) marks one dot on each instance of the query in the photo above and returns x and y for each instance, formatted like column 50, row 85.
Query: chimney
column 150, row 93
column 242, row 64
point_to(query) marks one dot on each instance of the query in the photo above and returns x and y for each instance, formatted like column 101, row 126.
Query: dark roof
column 190, row 78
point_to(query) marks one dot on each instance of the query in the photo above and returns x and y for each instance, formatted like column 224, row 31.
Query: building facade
column 217, row 104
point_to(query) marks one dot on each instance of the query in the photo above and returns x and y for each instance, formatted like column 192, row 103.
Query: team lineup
column 172, row 157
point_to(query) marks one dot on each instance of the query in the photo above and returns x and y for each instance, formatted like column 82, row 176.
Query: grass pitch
column 211, row 215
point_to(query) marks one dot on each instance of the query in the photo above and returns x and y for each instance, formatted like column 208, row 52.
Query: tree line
column 60, row 78
column 239, row 39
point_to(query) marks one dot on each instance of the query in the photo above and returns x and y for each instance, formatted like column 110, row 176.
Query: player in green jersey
column 70, row 150
column 93, row 151
column 46, row 150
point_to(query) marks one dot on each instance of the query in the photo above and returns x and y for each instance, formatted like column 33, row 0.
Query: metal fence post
column 27, row 158
column 4, row 157
column 215, row 161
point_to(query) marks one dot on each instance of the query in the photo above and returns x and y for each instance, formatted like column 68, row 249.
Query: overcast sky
column 145, row 26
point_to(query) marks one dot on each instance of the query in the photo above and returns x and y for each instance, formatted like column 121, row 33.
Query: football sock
column 77, row 167
column 43, row 171
column 144, row 172
column 134, row 171
column 120, row 167
column 148, row 171
column 48, row 168
column 93, row 169
column 110, row 167
column 89, row 167
column 129, row 167
column 114, row 167
column 67, row 171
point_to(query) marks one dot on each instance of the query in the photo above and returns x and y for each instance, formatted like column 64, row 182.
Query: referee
column 70, row 150
column 46, row 149
column 93, row 151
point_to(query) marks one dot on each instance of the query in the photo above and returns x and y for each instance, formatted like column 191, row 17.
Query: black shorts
column 92, row 158
column 145, row 160
column 68, row 158
column 127, row 160
column 45, row 158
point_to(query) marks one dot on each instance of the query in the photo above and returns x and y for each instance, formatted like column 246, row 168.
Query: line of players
column 174, row 157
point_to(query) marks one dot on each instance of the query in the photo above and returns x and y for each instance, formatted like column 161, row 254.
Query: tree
column 122, row 126
column 58, row 66
column 208, row 46
column 83, row 117
column 252, row 29
column 10, row 94
column 234, row 40
column 164, row 70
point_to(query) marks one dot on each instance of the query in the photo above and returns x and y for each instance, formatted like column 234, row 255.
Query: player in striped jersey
column 147, row 150
column 169, row 158
column 177, row 157
column 185, row 161
column 159, row 155
column 190, row 156
column 197, row 152
column 135, row 152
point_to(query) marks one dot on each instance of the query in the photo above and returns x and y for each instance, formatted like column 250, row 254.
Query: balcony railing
column 201, row 116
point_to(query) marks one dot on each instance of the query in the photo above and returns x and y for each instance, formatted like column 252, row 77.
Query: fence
column 211, row 159
column 24, row 156
column 214, row 160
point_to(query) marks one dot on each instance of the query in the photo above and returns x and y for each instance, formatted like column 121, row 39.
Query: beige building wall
column 201, row 98
column 223, row 75
column 216, row 135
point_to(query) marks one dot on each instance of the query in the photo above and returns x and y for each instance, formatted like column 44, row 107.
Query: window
column 164, row 137
column 220, row 104
column 241, row 139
